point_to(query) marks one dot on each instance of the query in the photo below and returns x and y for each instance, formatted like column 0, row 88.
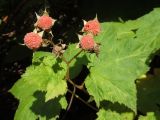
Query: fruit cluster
column 44, row 23
column 33, row 40
column 90, row 29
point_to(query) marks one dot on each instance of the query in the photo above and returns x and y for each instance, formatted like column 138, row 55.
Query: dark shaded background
column 14, row 58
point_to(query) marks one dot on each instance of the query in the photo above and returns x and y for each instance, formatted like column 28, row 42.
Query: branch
column 74, row 56
column 89, row 105
column 71, row 100
column 80, row 87
column 64, row 59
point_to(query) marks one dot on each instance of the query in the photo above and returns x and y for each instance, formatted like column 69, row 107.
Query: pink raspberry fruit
column 87, row 42
column 92, row 26
column 45, row 22
column 32, row 40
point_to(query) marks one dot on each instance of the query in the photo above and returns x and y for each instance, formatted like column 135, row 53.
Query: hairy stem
column 74, row 56
column 67, row 77
column 64, row 59
column 71, row 100
column 89, row 105
column 81, row 87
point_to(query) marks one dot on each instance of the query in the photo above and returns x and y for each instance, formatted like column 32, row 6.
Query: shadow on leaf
column 38, row 61
column 56, row 67
column 49, row 109
column 119, row 108
column 78, row 65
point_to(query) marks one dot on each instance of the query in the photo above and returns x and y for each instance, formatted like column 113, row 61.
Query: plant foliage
column 126, row 51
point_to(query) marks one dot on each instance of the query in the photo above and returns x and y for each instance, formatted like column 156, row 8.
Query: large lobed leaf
column 113, row 115
column 125, row 52
column 149, row 116
column 114, row 111
column 41, row 88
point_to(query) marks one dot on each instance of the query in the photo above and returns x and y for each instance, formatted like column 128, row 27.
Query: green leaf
column 150, row 116
column 77, row 64
column 148, row 94
column 114, row 111
column 38, row 56
column 34, row 107
column 113, row 115
column 44, row 80
column 124, row 56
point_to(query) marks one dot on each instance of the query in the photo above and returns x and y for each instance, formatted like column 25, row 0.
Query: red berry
column 92, row 26
column 45, row 22
column 87, row 42
column 32, row 40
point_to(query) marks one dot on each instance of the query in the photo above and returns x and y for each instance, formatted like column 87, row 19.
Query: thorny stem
column 89, row 105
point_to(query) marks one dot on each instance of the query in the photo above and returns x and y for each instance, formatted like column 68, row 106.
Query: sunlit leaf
column 41, row 88
column 125, row 53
